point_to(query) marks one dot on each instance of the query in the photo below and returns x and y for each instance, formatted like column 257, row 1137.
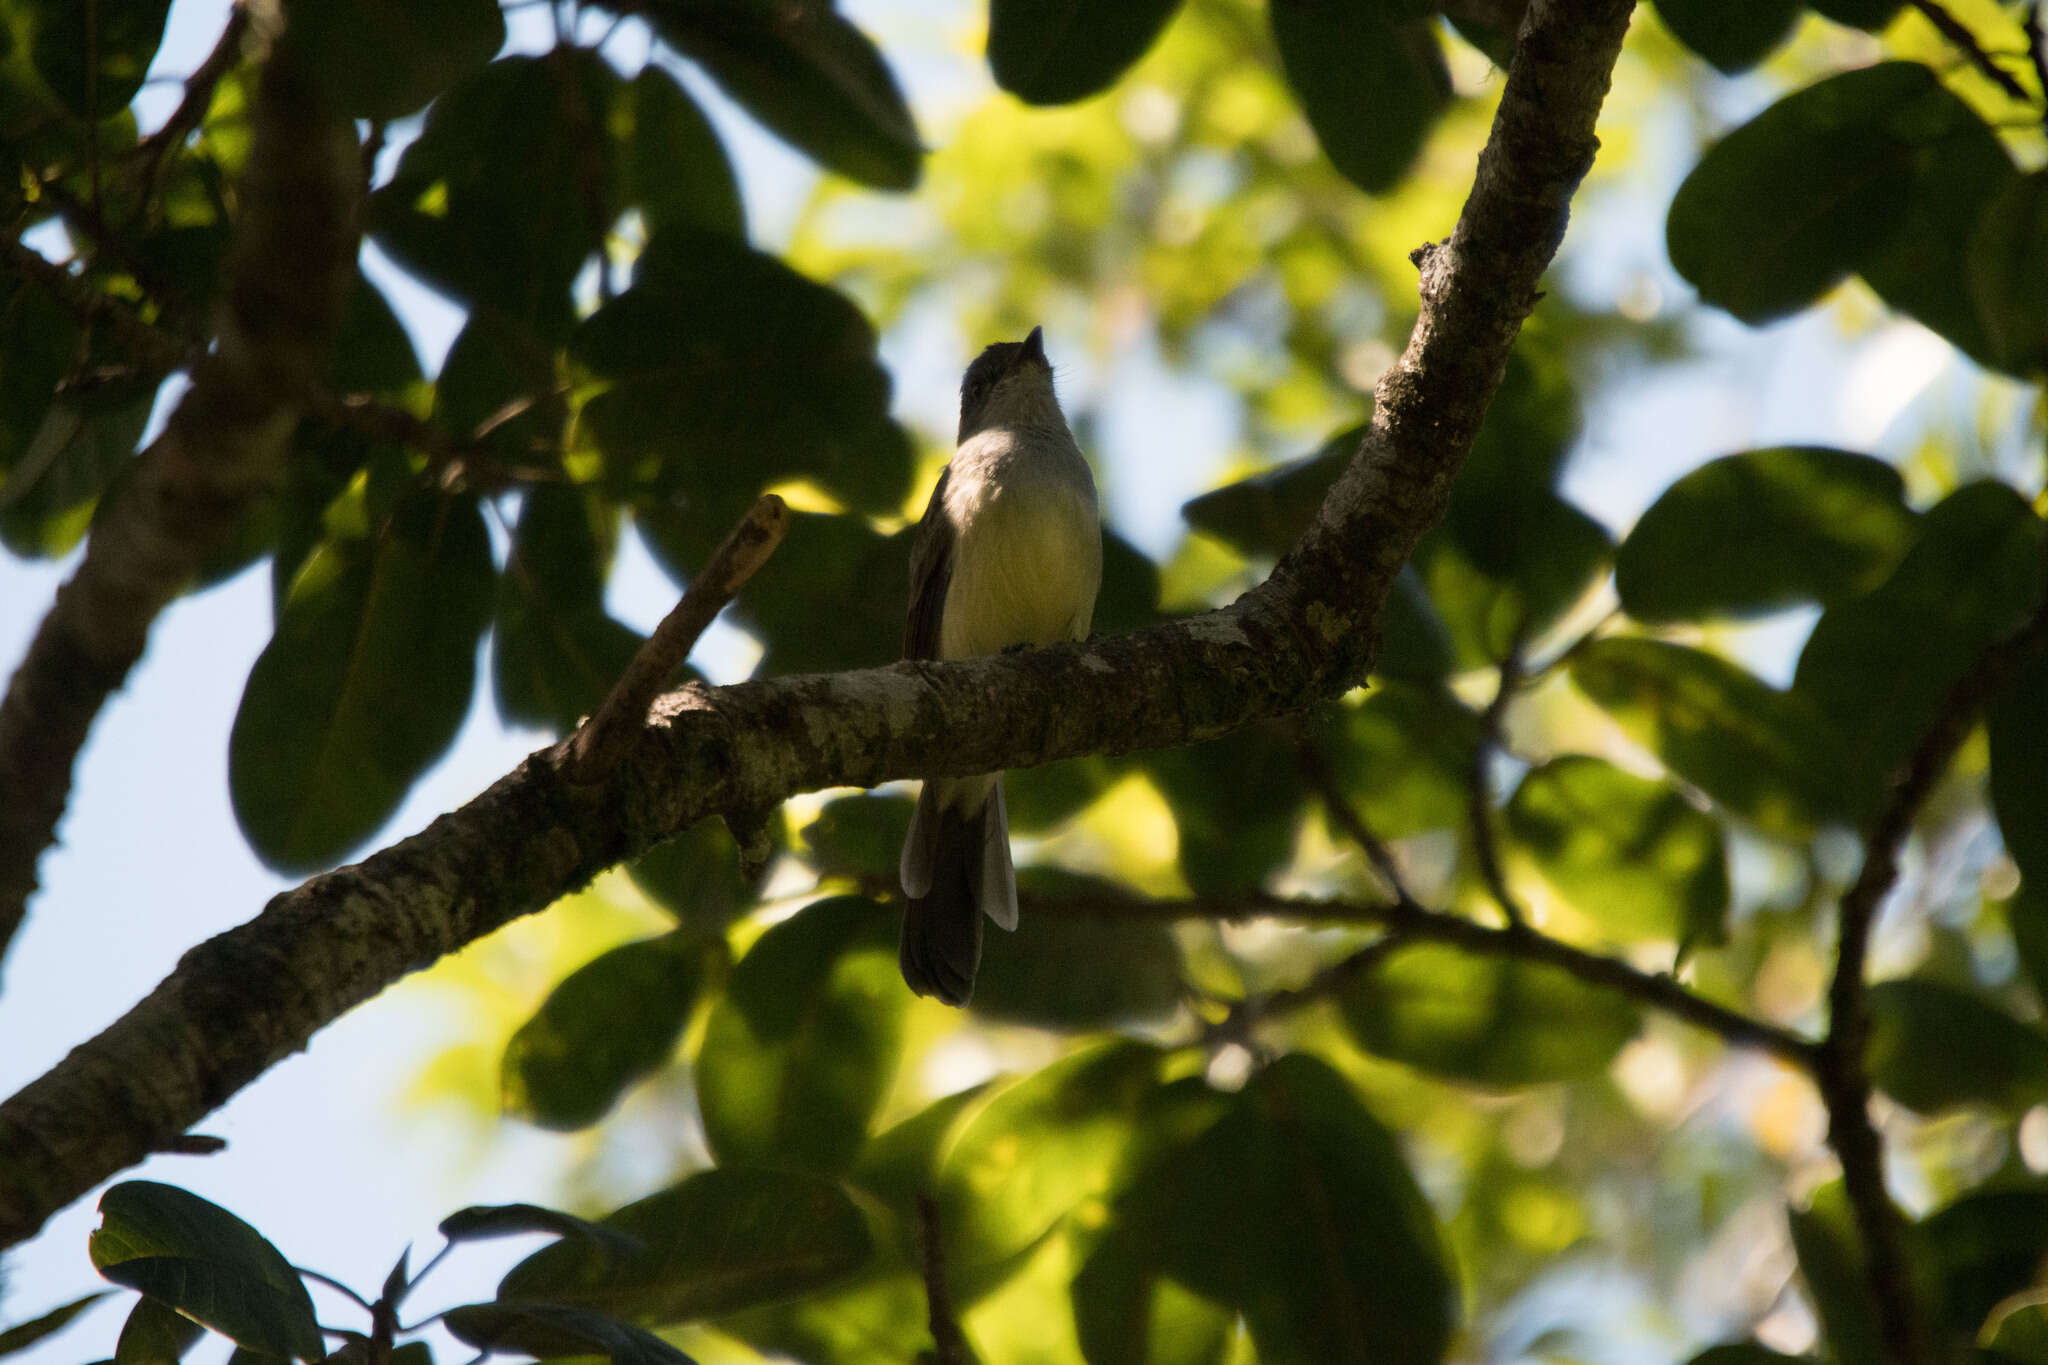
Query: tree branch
column 289, row 271
column 245, row 999
column 1965, row 42
column 1842, row 1074
column 1410, row 923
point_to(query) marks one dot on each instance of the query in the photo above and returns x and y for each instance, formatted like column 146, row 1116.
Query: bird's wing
column 931, row 572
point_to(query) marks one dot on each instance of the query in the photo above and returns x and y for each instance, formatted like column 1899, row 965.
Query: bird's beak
column 1034, row 346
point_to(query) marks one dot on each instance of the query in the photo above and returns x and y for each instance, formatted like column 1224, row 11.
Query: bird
column 1009, row 553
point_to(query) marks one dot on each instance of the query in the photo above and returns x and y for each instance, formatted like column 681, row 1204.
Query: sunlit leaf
column 206, row 1263
column 800, row 1048
column 1491, row 1021
column 609, row 1023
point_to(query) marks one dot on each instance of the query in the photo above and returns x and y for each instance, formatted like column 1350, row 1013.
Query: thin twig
column 1842, row 1074
column 1655, row 990
column 1966, row 42
column 949, row 1346
column 2037, row 50
column 199, row 88
column 194, row 1144
column 1346, row 817
column 602, row 739
column 1479, row 782
column 336, row 1285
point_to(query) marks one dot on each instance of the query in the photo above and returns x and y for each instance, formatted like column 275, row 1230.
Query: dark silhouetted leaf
column 1771, row 757
column 556, row 652
column 1933, row 1047
column 1880, row 665
column 696, row 876
column 2008, row 274
column 728, row 372
column 799, row 1051
column 364, row 684
column 1733, row 37
column 1491, row 1021
column 23, row 1335
column 809, row 75
column 484, row 1221
column 384, row 59
column 676, row 168
column 1981, row 1249
column 75, row 457
column 2019, row 772
column 1746, row 1353
column 1069, row 49
column 155, row 1334
column 858, row 836
column 1266, row 513
column 1831, row 1262
column 1294, row 1208
column 546, row 1330
column 1762, row 530
column 94, row 56
column 1631, row 855
column 1865, row 14
column 1076, row 972
column 206, row 1263
column 720, row 1241
column 610, row 1022
column 1236, row 801
column 2027, row 915
column 373, row 352
column 1784, row 207
column 1371, row 78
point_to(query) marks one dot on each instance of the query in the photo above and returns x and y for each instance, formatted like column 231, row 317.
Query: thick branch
column 294, row 255
column 244, row 1000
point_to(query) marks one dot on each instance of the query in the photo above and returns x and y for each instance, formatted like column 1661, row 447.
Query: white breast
column 1027, row 549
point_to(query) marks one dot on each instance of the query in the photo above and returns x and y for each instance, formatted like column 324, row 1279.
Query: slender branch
column 1479, row 782
column 199, row 87
column 288, row 275
column 246, row 999
column 949, row 1346
column 599, row 742
column 1411, row 923
column 2037, row 50
column 1346, row 817
column 1964, row 41
column 1842, row 1073
column 336, row 1285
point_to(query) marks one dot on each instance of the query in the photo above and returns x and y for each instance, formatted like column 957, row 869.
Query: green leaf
column 373, row 353
column 1881, row 665
column 23, row 1335
column 1404, row 756
column 799, row 1051
column 1734, row 37
column 1981, row 1249
column 865, row 626
column 1295, row 1208
column 1959, row 167
column 1745, row 1353
column 1267, row 512
column 1036, row 1150
column 2027, row 915
column 1067, row 50
column 720, row 1241
column 155, row 1334
column 1933, row 1047
column 858, row 836
column 496, row 201
column 1784, row 207
column 1078, row 972
column 1770, row 757
column 75, row 458
column 1371, row 78
column 806, row 73
column 1495, row 1022
column 94, row 56
column 208, row 1264
column 556, row 652
column 729, row 372
column 2008, row 274
column 1236, row 801
column 546, row 1330
column 1762, row 530
column 384, row 59
column 497, row 386
column 480, row 1222
column 364, row 684
column 1831, row 1262
column 1631, row 855
column 1864, row 14
column 2019, row 772
column 675, row 167
column 609, row 1023
column 696, row 876
column 39, row 337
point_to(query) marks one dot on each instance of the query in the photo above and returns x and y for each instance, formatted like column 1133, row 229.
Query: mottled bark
column 288, row 275
column 240, row 1002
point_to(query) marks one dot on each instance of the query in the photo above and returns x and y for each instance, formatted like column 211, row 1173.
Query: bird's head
column 1009, row 384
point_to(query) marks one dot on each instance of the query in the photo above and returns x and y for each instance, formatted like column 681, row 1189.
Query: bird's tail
column 955, row 868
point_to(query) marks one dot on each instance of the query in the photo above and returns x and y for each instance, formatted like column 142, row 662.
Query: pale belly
column 1026, row 567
